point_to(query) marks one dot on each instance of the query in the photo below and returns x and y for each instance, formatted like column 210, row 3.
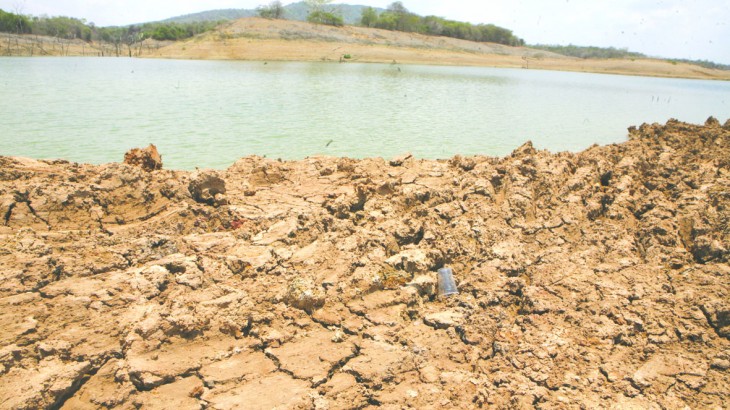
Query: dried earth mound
column 587, row 280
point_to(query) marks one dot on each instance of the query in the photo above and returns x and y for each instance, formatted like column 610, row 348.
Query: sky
column 693, row 29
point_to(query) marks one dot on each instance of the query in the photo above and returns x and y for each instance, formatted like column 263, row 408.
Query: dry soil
column 596, row 279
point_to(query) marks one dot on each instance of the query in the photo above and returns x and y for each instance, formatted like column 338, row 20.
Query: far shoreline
column 257, row 39
column 583, row 68
column 587, row 66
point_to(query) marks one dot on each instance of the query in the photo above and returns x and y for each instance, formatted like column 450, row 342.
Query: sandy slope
column 587, row 280
column 274, row 40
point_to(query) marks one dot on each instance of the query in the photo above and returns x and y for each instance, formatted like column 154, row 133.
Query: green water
column 209, row 113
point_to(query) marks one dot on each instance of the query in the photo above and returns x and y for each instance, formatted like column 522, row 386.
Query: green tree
column 369, row 17
column 14, row 23
column 274, row 10
column 325, row 17
column 403, row 20
column 317, row 5
column 320, row 14
column 398, row 8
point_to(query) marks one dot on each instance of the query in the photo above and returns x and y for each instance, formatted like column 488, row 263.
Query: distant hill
column 294, row 11
column 212, row 15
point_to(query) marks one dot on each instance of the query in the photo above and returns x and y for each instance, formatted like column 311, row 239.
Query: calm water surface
column 210, row 113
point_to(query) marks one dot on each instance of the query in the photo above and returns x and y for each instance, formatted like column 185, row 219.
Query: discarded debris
column 446, row 283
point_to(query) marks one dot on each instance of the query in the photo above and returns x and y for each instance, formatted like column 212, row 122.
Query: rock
column 377, row 361
column 146, row 158
column 525, row 149
column 426, row 284
column 180, row 394
column 313, row 356
column 242, row 366
column 148, row 370
column 19, row 387
column 259, row 394
column 303, row 294
column 718, row 314
column 411, row 261
column 665, row 366
column 208, row 188
column 720, row 364
column 712, row 122
column 444, row 320
column 399, row 160
column 465, row 163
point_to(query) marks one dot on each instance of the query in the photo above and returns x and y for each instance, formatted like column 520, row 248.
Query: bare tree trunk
column 40, row 46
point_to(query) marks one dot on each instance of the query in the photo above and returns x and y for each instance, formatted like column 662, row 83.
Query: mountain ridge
column 298, row 11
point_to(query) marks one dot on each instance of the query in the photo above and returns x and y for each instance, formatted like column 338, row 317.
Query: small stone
column 208, row 188
column 399, row 160
column 720, row 364
column 339, row 337
column 429, row 374
column 466, row 164
column 425, row 284
column 712, row 122
column 444, row 320
column 303, row 294
column 411, row 261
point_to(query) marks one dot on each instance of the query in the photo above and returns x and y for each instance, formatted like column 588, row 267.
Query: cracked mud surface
column 597, row 279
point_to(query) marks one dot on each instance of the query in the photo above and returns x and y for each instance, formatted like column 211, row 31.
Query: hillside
column 295, row 11
column 259, row 39
column 212, row 15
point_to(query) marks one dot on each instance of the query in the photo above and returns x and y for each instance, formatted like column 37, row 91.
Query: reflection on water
column 209, row 113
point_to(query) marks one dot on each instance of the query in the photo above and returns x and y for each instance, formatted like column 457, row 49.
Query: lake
column 210, row 113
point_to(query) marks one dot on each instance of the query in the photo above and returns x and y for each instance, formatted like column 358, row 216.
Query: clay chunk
column 146, row 158
column 208, row 188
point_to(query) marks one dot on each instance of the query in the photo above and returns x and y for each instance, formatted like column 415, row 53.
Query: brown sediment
column 591, row 279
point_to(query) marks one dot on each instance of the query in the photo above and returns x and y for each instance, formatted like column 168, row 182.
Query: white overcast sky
column 694, row 29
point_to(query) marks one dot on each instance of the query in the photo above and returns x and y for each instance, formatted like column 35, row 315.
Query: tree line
column 589, row 52
column 397, row 17
column 612, row 52
column 73, row 28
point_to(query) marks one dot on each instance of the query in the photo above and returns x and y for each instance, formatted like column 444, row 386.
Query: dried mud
column 587, row 280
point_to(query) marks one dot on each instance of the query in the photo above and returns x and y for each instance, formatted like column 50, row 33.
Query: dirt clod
column 208, row 188
column 146, row 158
